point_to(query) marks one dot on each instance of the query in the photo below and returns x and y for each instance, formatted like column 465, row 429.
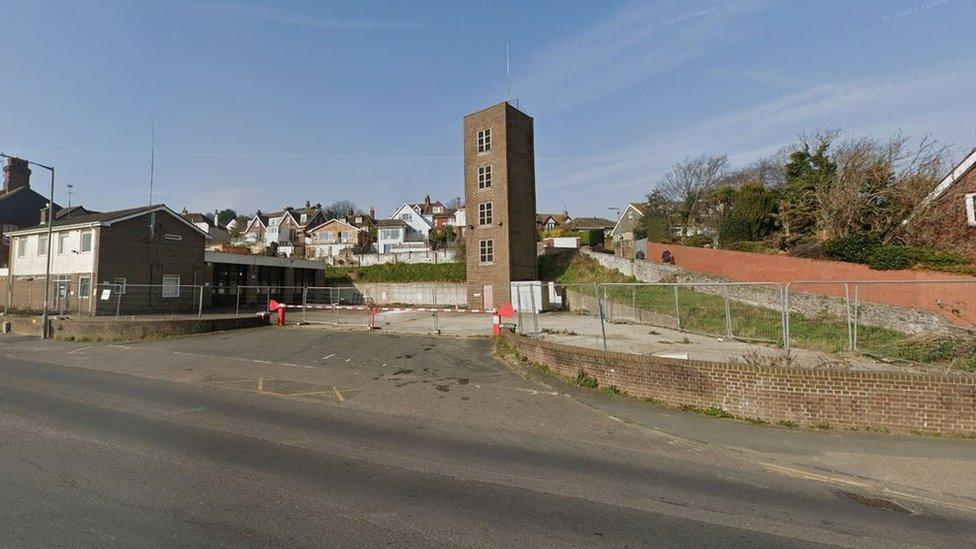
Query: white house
column 417, row 224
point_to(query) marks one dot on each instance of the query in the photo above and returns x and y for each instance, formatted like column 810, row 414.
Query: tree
column 750, row 216
column 656, row 223
column 339, row 209
column 441, row 237
column 807, row 175
column 687, row 184
column 224, row 216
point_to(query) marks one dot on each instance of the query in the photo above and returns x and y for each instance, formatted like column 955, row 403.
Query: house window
column 484, row 213
column 971, row 209
column 406, row 217
column 22, row 246
column 86, row 241
column 7, row 229
column 487, row 251
column 62, row 243
column 84, row 287
column 171, row 285
column 484, row 177
column 42, row 244
column 390, row 234
column 484, row 141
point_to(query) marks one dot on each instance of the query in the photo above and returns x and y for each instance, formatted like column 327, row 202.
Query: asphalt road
column 92, row 458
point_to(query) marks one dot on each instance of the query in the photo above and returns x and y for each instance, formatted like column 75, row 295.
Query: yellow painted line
column 338, row 395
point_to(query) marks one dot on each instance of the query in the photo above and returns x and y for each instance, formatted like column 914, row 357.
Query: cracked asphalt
column 301, row 436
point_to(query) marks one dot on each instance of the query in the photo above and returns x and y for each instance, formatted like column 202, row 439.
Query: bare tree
column 877, row 184
column 688, row 183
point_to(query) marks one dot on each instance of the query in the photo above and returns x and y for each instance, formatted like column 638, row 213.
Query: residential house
column 591, row 224
column 335, row 237
column 622, row 233
column 216, row 233
column 548, row 222
column 70, row 211
column 286, row 228
column 20, row 206
column 146, row 245
column 946, row 218
column 395, row 236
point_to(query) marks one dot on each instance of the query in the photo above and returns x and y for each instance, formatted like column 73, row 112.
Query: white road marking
column 78, row 350
column 328, row 357
column 536, row 392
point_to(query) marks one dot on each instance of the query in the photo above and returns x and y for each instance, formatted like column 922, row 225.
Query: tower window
column 484, row 177
column 484, row 213
column 487, row 251
column 484, row 141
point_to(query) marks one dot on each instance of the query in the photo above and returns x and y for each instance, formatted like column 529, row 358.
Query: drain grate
column 877, row 503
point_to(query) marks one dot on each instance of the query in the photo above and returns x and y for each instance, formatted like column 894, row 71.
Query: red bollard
column 281, row 315
column 496, row 324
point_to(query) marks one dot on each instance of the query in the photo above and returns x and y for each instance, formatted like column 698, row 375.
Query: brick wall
column 955, row 302
column 929, row 403
column 123, row 330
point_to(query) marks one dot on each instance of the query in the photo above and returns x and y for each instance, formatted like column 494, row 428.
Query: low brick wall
column 121, row 330
column 925, row 403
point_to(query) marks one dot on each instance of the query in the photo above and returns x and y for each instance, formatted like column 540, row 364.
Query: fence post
column 433, row 298
column 850, row 318
column 267, row 306
column 857, row 313
column 118, row 302
column 728, row 311
column 785, row 299
column 237, row 300
column 599, row 308
column 633, row 302
column 677, row 310
column 304, row 304
column 535, row 312
column 200, row 306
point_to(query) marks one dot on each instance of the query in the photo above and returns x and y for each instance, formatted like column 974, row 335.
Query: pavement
column 303, row 435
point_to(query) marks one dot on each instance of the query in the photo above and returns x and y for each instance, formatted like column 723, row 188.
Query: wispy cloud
column 289, row 17
column 929, row 101
column 628, row 47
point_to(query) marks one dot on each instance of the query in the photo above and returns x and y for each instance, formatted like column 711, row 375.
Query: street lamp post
column 50, row 225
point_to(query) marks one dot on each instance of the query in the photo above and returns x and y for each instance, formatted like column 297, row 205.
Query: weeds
column 585, row 380
column 787, row 423
column 612, row 390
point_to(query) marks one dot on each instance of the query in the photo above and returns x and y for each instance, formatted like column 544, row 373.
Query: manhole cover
column 877, row 503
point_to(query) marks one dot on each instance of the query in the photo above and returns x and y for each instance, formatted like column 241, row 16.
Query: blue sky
column 264, row 104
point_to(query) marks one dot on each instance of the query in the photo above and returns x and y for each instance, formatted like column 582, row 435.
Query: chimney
column 16, row 174
column 42, row 216
column 216, row 218
column 184, row 212
column 372, row 212
column 426, row 201
column 308, row 203
column 351, row 212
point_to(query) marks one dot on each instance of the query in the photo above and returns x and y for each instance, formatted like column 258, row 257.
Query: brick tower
column 499, row 197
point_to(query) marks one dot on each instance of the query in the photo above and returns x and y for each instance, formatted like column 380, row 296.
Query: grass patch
column 612, row 390
column 398, row 272
column 787, row 423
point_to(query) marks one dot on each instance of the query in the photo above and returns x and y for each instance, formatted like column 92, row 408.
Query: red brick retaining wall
column 927, row 403
column 124, row 330
column 955, row 302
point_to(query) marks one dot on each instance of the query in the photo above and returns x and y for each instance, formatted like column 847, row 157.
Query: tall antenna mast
column 152, row 173
column 508, row 73
column 70, row 189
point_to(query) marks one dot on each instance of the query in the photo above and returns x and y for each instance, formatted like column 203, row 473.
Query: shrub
column 808, row 248
column 585, row 380
column 889, row 258
column 752, row 247
column 856, row 248
column 698, row 241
